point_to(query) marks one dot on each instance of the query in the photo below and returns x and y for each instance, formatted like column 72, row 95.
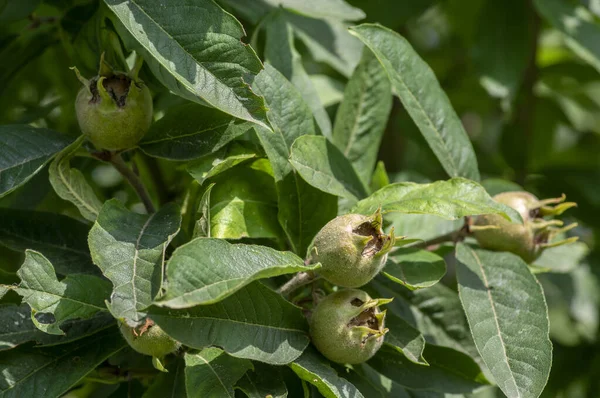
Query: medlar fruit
column 352, row 249
column 114, row 109
column 527, row 240
column 347, row 326
column 150, row 340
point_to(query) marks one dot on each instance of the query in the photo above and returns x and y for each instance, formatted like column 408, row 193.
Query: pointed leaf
column 508, row 317
column 405, row 338
column 430, row 109
column 71, row 185
column 196, row 51
column 414, row 268
column 212, row 373
column 449, row 371
column 59, row 238
column 206, row 270
column 52, row 301
column 363, row 114
column 220, row 161
column 52, row 371
column 281, row 53
column 25, row 151
column 323, row 166
column 303, row 210
column 202, row 226
column 254, row 323
column 129, row 248
column 315, row 369
column 451, row 199
column 190, row 131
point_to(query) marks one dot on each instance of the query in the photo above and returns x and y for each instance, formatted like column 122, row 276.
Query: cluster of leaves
column 254, row 148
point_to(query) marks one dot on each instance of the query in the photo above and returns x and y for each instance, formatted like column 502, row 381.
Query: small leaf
column 323, row 166
column 303, row 210
column 220, row 161
column 25, row 151
column 52, row 371
column 281, row 53
column 254, row 323
column 313, row 368
column 202, row 226
column 191, row 131
column 363, row 114
column 577, row 25
column 205, row 270
column 509, row 322
column 406, row 339
column 212, row 373
column 52, row 301
column 429, row 108
column 461, row 375
column 201, row 56
column 414, row 268
column 71, row 185
column 130, row 248
column 451, row 199
column 380, row 178
column 264, row 381
column 59, row 238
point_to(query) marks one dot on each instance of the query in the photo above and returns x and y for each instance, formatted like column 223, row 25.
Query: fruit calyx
column 369, row 321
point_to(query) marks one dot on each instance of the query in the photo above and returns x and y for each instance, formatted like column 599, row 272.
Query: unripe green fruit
column 114, row 111
column 153, row 341
column 347, row 326
column 527, row 240
column 352, row 249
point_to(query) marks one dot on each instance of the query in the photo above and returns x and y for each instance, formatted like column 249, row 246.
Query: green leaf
column 130, row 248
column 70, row 184
column 52, row 301
column 323, row 166
column 429, row 108
column 501, row 51
column 449, row 371
column 363, row 114
column 61, row 239
column 212, row 373
column 405, row 338
column 169, row 384
column 281, row 53
column 578, row 26
column 303, row 210
column 190, row 131
column 451, row 199
column 380, row 178
column 52, row 371
column 13, row 11
column 25, row 151
column 254, row 323
column 201, row 56
column 244, row 202
column 202, row 225
column 436, row 312
column 220, row 161
column 205, row 270
column 18, row 328
column 263, row 381
column 335, row 9
column 415, row 268
column 509, row 321
column 313, row 368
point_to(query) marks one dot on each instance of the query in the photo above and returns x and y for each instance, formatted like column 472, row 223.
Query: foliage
column 270, row 119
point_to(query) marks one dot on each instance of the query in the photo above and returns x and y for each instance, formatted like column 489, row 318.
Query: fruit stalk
column 117, row 161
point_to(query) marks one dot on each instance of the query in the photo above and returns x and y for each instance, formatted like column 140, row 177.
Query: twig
column 454, row 236
column 299, row 280
column 137, row 184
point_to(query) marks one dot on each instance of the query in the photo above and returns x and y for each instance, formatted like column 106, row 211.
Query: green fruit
column 152, row 341
column 114, row 110
column 527, row 240
column 347, row 326
column 352, row 249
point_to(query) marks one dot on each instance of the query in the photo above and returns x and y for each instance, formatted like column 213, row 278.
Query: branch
column 133, row 179
column 454, row 236
column 299, row 280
